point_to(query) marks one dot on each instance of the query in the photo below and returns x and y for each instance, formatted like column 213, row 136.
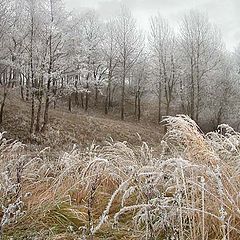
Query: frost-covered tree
column 129, row 45
column 111, row 58
column 90, row 59
column 201, row 47
column 140, row 82
column 164, row 51
column 13, row 33
column 4, row 15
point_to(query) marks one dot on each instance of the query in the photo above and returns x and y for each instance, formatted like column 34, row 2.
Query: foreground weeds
column 189, row 191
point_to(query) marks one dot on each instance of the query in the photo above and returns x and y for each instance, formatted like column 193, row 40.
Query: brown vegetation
column 117, row 191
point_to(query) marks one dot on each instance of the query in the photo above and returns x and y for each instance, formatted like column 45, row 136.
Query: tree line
column 50, row 55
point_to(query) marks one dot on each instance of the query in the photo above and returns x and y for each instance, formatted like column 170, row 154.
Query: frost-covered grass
column 191, row 190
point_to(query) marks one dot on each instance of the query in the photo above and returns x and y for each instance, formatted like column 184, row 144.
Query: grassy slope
column 62, row 193
column 77, row 127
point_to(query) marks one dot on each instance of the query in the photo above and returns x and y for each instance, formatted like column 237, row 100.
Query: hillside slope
column 77, row 127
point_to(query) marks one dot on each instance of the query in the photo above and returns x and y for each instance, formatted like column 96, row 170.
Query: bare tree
column 164, row 62
column 91, row 31
column 12, row 35
column 140, row 82
column 129, row 45
column 55, row 55
column 4, row 9
column 201, row 47
column 111, row 58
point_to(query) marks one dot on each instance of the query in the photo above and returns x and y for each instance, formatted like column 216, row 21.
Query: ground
column 66, row 129
column 190, row 188
column 78, row 127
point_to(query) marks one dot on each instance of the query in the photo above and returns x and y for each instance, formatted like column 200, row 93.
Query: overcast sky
column 224, row 13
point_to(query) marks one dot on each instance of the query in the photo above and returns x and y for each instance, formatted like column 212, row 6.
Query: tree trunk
column 198, row 95
column 54, row 103
column 192, row 94
column 86, row 101
column 87, row 96
column 159, row 103
column 167, row 114
column 139, row 107
column 39, row 114
column 111, row 100
column 22, row 86
column 82, row 99
column 21, row 91
column 32, row 113
column 45, row 116
column 27, row 88
column 123, row 97
column 167, row 108
column 47, row 102
column 96, row 96
column 135, row 103
column 198, row 103
column 106, row 103
column 76, row 99
column 70, row 103
column 3, row 104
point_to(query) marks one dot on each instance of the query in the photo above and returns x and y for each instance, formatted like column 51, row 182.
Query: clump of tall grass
column 189, row 191
column 12, row 163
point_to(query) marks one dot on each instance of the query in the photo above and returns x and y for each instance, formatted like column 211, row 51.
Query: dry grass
column 120, row 191
column 78, row 127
